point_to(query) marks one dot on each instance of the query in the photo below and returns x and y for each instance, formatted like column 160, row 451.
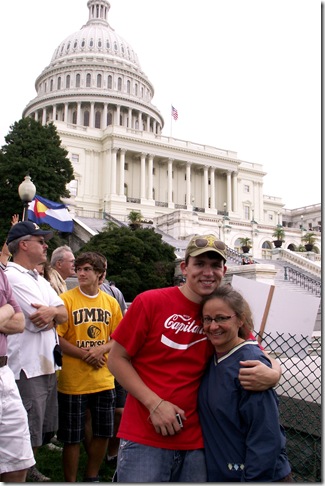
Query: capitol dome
column 95, row 80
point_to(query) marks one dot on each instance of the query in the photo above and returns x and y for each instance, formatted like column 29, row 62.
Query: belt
column 3, row 361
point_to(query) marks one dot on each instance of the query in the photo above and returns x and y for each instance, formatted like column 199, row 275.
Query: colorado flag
column 56, row 215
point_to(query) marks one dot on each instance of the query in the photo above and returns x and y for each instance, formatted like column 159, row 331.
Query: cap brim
column 200, row 251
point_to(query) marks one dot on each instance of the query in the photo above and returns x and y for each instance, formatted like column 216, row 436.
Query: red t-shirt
column 162, row 333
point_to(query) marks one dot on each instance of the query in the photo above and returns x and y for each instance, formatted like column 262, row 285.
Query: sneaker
column 55, row 441
column 34, row 475
column 53, row 447
column 92, row 480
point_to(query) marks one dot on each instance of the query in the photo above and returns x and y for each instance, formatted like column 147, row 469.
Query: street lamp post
column 26, row 191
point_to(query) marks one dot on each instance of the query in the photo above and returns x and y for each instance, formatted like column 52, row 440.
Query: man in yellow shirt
column 84, row 380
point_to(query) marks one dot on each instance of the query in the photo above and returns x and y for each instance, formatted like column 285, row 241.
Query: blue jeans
column 138, row 463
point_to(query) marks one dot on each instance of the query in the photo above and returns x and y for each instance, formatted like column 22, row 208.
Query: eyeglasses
column 207, row 320
column 41, row 242
column 204, row 242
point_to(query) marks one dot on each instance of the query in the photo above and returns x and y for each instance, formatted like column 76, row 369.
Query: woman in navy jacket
column 243, row 438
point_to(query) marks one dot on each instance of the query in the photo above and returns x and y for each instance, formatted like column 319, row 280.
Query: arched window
column 128, row 86
column 51, row 85
column 74, row 118
column 59, row 82
column 126, row 190
column 67, row 81
column 99, row 80
column 119, row 84
column 109, row 118
column 86, row 118
column 136, row 89
column 78, row 81
column 88, row 80
column 97, row 119
column 109, row 82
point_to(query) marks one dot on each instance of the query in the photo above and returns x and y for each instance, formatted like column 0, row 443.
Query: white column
column 150, row 177
column 113, row 171
column 122, row 165
column 66, row 112
column 44, row 117
column 104, row 121
column 118, row 113
column 188, row 184
column 143, row 176
column 213, row 191
column 79, row 113
column 92, row 115
column 140, row 121
column 205, row 187
column 54, row 113
column 229, row 195
column 130, row 118
column 170, row 181
column 235, row 190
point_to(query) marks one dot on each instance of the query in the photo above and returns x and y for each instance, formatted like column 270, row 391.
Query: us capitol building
column 100, row 100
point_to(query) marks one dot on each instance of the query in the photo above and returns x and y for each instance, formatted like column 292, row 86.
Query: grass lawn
column 50, row 463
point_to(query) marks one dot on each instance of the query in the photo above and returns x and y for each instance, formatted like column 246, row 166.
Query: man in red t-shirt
column 159, row 353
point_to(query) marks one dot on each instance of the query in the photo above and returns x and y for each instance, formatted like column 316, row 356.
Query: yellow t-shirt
column 91, row 322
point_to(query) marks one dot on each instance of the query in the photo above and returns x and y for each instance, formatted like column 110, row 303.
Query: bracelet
column 155, row 408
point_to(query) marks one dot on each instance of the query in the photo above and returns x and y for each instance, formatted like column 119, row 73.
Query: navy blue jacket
column 242, row 436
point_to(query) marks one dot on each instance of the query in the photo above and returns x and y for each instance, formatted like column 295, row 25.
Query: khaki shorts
column 40, row 398
column 15, row 447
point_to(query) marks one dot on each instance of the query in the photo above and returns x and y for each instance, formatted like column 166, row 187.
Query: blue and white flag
column 56, row 215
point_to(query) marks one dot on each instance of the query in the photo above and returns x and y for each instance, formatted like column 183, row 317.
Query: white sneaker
column 34, row 475
column 53, row 447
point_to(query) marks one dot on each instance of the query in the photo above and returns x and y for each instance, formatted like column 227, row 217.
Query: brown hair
column 238, row 304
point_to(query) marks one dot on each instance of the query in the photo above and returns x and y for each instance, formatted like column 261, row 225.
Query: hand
column 95, row 357
column 164, row 420
column 14, row 219
column 257, row 376
column 43, row 317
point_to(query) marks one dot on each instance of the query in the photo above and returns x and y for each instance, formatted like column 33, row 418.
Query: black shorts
column 72, row 415
column 120, row 395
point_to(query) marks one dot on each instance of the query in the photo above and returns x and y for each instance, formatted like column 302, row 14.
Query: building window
column 86, row 118
column 246, row 212
column 136, row 89
column 74, row 118
column 128, row 87
column 109, row 118
column 74, row 158
column 51, row 85
column 119, row 84
column 270, row 217
column 97, row 119
column 126, row 166
column 88, row 80
column 78, row 81
column 246, row 188
column 73, row 187
column 109, row 82
column 99, row 80
column 67, row 81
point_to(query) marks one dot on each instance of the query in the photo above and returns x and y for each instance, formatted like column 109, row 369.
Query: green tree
column 35, row 149
column 137, row 260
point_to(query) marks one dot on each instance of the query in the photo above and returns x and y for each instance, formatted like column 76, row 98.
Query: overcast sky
column 244, row 75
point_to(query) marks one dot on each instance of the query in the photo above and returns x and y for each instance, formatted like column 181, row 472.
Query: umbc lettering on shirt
column 89, row 344
column 95, row 314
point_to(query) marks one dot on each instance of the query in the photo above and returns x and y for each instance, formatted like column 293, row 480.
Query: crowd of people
column 174, row 389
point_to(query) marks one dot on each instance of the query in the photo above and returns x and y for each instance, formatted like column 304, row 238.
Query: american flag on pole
column 174, row 113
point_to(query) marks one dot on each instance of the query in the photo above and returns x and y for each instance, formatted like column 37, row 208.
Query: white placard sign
column 289, row 314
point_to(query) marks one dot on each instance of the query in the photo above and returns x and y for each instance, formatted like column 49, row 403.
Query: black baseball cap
column 26, row 228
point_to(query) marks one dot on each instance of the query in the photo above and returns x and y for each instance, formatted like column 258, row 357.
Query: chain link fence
column 299, row 393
